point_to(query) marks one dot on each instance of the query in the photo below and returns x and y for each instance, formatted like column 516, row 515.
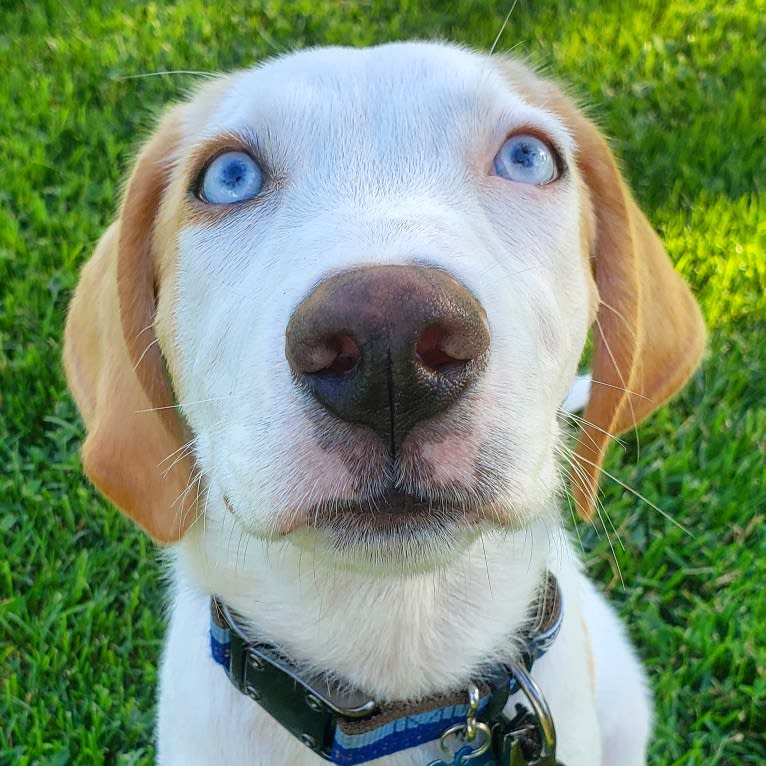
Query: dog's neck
column 395, row 636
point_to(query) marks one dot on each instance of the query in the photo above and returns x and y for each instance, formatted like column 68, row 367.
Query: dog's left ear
column 649, row 334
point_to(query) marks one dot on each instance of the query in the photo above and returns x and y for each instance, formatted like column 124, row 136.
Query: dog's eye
column 230, row 178
column 526, row 159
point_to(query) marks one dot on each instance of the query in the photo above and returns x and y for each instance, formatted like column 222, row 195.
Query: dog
column 321, row 354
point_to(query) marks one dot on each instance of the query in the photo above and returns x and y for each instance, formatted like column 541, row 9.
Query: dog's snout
column 388, row 346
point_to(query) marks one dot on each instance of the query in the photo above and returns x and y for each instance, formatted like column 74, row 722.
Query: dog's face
column 355, row 170
column 371, row 274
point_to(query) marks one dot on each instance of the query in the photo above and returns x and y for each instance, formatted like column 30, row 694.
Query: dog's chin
column 392, row 534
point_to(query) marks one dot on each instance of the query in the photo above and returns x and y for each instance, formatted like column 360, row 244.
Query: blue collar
column 348, row 728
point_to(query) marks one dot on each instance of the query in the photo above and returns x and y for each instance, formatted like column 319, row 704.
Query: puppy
column 321, row 354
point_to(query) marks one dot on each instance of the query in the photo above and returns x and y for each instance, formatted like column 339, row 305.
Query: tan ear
column 115, row 368
column 649, row 334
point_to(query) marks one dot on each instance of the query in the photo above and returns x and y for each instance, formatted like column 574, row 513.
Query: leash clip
column 465, row 734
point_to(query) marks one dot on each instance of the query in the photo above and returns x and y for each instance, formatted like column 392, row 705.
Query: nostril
column 431, row 349
column 335, row 354
column 347, row 354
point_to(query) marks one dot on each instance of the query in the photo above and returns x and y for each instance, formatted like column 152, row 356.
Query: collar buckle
column 319, row 694
column 306, row 705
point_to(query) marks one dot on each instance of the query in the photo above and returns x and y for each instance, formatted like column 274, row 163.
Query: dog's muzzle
column 388, row 346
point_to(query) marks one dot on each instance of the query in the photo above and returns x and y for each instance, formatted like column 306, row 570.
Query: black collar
column 348, row 727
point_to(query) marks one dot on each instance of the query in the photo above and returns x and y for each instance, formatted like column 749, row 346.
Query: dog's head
column 347, row 293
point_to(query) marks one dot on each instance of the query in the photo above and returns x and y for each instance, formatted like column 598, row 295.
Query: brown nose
column 388, row 346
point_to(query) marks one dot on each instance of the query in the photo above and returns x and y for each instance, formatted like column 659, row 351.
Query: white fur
column 385, row 156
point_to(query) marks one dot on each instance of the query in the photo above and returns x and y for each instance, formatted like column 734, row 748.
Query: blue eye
column 230, row 178
column 527, row 160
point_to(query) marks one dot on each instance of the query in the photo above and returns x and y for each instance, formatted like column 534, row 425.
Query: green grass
column 679, row 86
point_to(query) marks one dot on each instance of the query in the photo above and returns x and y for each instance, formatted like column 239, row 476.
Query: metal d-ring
column 540, row 711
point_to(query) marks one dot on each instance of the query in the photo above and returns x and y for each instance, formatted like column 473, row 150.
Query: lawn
column 679, row 86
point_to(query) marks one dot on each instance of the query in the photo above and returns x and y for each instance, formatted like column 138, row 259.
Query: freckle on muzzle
column 388, row 346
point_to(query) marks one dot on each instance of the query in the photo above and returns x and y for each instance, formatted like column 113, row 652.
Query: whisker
column 641, row 497
column 614, row 529
column 180, row 454
column 175, row 452
column 593, row 442
column 573, row 515
column 271, row 42
column 194, row 482
column 180, row 405
column 621, row 388
column 180, row 457
column 144, row 353
column 628, row 325
column 502, row 28
column 601, row 512
column 241, row 554
column 204, row 510
column 582, row 478
column 486, row 563
column 194, row 479
column 234, row 525
column 585, row 422
column 192, row 72
column 578, row 472
column 178, row 460
column 624, row 385
column 622, row 380
column 199, row 517
column 611, row 546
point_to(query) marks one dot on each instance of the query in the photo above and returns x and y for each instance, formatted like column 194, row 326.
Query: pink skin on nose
column 450, row 460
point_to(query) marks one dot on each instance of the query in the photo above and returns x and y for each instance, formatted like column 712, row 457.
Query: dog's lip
column 391, row 510
column 393, row 502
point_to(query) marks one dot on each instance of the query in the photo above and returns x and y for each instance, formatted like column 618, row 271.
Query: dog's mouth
column 391, row 530
column 395, row 529
column 391, row 511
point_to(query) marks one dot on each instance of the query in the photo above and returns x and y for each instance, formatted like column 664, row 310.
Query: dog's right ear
column 135, row 447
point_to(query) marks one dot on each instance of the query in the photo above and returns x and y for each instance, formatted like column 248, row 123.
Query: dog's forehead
column 328, row 78
column 421, row 88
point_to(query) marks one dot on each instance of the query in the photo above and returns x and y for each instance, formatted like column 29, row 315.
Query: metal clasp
column 457, row 742
column 348, row 703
